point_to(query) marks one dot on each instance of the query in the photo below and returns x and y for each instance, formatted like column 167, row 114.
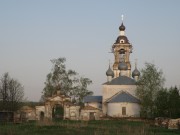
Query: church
column 118, row 93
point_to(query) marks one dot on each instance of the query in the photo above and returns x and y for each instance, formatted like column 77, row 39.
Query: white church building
column 118, row 93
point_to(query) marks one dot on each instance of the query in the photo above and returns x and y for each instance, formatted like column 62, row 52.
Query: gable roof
column 121, row 80
column 123, row 97
column 88, row 99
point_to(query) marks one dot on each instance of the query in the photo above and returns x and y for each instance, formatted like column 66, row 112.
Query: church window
column 123, row 110
column 121, row 41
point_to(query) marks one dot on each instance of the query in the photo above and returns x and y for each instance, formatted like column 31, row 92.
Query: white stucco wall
column 39, row 109
column 85, row 114
column 110, row 90
column 115, row 109
column 48, row 110
column 71, row 112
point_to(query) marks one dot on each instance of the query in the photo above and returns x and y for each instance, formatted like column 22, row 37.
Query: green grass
column 106, row 127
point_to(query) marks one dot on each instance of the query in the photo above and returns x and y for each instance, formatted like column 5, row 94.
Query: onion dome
column 109, row 72
column 135, row 73
column 122, row 27
column 122, row 66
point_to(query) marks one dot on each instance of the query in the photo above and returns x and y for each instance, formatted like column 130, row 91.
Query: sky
column 32, row 32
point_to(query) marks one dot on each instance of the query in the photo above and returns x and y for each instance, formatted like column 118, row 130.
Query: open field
column 107, row 127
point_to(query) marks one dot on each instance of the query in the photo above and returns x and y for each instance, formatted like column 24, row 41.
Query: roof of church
column 93, row 99
column 126, row 41
column 122, row 80
column 123, row 97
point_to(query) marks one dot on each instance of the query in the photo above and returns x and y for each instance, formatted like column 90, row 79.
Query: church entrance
column 58, row 112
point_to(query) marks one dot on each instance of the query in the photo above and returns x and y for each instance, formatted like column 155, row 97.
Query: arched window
column 122, row 51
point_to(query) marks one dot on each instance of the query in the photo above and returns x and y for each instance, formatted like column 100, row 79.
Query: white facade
column 71, row 112
column 111, row 90
column 116, row 109
column 90, row 113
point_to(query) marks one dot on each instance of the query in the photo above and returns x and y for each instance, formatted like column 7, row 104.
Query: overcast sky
column 32, row 32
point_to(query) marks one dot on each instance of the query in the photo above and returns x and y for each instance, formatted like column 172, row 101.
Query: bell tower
column 121, row 49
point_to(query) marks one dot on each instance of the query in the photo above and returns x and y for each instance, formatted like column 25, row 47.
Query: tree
column 149, row 84
column 67, row 81
column 167, row 103
column 81, row 90
column 173, row 103
column 11, row 93
column 59, row 78
column 162, row 103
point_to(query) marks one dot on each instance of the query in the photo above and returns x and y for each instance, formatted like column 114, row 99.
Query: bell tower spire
column 122, row 48
column 122, row 27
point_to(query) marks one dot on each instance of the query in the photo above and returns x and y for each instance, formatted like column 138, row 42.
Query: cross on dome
column 122, row 17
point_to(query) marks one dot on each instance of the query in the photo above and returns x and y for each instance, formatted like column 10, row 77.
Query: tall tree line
column 157, row 101
column 11, row 93
column 168, row 103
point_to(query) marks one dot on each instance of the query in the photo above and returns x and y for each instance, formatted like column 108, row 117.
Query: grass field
column 106, row 127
